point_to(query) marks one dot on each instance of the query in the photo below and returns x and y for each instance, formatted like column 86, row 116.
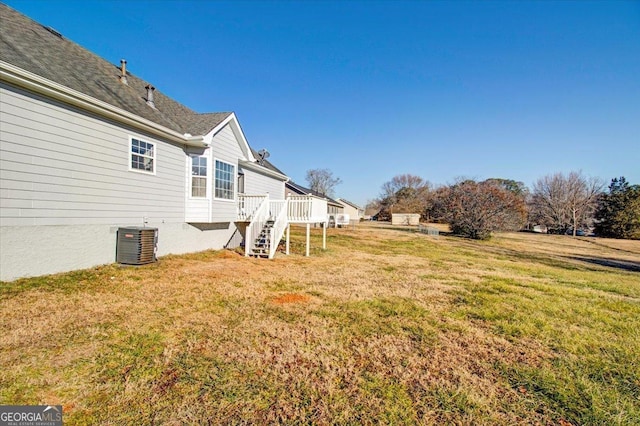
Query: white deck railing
column 248, row 204
column 258, row 210
column 307, row 209
column 279, row 216
column 300, row 208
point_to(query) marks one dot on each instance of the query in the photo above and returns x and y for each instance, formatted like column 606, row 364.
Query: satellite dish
column 263, row 154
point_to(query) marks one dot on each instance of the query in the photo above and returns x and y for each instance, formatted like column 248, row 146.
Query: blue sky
column 373, row 89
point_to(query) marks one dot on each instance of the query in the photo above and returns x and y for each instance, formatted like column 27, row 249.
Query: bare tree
column 405, row 193
column 561, row 202
column 322, row 181
column 372, row 207
column 406, row 181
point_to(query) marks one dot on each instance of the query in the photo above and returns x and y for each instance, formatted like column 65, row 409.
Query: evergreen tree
column 618, row 214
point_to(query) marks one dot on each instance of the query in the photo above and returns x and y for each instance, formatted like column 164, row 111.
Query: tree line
column 558, row 203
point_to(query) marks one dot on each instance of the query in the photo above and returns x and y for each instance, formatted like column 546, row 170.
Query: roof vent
column 123, row 71
column 52, row 31
column 150, row 90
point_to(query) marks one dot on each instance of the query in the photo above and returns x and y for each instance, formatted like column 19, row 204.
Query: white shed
column 405, row 219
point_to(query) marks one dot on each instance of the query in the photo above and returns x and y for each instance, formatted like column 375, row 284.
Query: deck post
column 324, row 236
column 247, row 245
column 288, row 237
column 308, row 237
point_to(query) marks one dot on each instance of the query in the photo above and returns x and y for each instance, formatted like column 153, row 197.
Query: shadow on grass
column 401, row 228
column 412, row 229
column 564, row 262
column 625, row 265
column 599, row 243
column 527, row 257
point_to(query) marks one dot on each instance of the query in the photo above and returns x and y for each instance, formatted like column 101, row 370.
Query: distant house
column 87, row 147
column 354, row 211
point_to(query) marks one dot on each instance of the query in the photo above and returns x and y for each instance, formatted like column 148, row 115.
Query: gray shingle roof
column 354, row 205
column 266, row 163
column 28, row 45
column 301, row 190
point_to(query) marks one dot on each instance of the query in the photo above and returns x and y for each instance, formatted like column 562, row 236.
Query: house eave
column 40, row 85
column 347, row 203
column 260, row 169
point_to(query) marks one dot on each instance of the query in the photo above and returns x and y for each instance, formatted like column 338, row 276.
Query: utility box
column 136, row 245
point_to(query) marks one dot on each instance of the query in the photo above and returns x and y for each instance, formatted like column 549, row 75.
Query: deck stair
column 263, row 222
column 262, row 244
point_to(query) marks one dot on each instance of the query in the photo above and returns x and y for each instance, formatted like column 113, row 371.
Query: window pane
column 224, row 180
column 148, row 164
column 142, row 155
column 198, row 187
column 198, row 176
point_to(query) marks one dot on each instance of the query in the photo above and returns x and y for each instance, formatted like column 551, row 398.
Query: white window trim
column 208, row 179
column 234, row 178
column 154, row 158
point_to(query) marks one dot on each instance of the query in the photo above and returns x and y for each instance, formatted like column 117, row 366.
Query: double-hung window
column 198, row 176
column 143, row 156
column 225, row 176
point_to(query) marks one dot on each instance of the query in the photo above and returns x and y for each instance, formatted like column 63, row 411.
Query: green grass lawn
column 386, row 326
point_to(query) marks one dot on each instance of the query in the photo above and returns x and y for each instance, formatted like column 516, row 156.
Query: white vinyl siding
column 60, row 166
column 350, row 210
column 257, row 183
column 225, row 148
column 69, row 168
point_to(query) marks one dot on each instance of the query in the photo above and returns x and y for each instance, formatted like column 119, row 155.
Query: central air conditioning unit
column 136, row 245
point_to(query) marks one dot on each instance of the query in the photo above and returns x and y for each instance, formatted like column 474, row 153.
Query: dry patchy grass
column 386, row 326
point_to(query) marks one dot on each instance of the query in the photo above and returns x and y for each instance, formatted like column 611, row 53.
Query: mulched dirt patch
column 290, row 298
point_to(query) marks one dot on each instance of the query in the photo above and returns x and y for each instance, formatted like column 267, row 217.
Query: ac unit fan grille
column 136, row 246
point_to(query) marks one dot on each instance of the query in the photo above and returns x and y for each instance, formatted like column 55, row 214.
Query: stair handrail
column 279, row 211
column 258, row 221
